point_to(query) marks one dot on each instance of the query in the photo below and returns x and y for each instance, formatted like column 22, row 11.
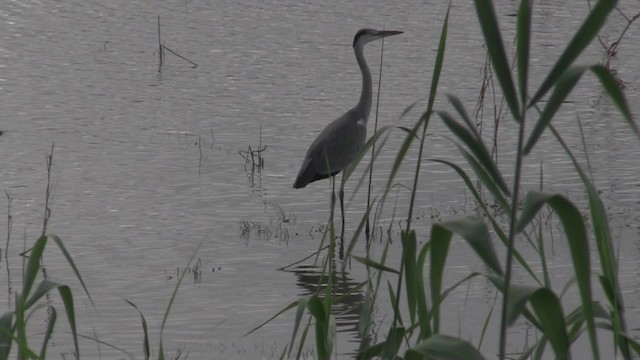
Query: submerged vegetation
column 416, row 288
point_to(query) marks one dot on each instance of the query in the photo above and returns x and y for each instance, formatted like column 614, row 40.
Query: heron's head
column 364, row 36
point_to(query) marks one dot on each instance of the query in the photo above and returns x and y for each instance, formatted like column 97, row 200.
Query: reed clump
column 416, row 288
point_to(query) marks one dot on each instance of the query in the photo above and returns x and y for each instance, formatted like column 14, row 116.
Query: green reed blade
column 495, row 47
column 67, row 256
column 548, row 308
column 67, row 300
column 409, row 251
column 563, row 87
column 6, row 334
column 583, row 37
column 615, row 93
column 477, row 148
column 51, row 323
column 522, row 46
column 145, row 331
column 574, row 228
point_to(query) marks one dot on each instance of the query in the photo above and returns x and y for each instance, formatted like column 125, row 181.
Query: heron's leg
column 341, row 194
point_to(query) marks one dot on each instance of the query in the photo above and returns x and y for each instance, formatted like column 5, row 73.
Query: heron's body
column 334, row 149
column 339, row 143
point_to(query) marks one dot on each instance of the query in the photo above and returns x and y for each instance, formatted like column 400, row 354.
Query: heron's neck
column 364, row 105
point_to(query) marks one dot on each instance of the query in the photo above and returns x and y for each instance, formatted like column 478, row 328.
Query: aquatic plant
column 418, row 294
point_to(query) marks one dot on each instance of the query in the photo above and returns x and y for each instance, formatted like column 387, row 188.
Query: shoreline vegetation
column 415, row 288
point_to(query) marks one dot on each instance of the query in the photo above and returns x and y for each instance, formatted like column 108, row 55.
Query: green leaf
column 437, row 68
column 549, row 311
column 51, row 323
column 393, row 342
column 440, row 240
column 316, row 308
column 285, row 309
column 496, row 227
column 444, row 347
column 145, row 331
column 409, row 252
column 487, row 180
column 6, row 334
column 563, row 87
column 174, row 294
column 475, row 232
column 375, row 265
column 495, row 47
column 576, row 234
column 302, row 305
column 43, row 288
column 518, row 297
column 522, row 47
column 67, row 300
column 457, row 104
column 477, row 148
column 33, row 265
column 583, row 37
column 67, row 256
column 606, row 252
column 371, row 351
column 616, row 94
column 423, row 311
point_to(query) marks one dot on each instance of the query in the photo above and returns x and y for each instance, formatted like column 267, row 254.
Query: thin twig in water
column 200, row 158
column 180, row 56
column 162, row 48
column 47, row 209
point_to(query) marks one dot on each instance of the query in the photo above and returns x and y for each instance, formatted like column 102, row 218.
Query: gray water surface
column 147, row 162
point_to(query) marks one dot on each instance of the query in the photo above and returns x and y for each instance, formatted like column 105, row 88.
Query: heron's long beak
column 385, row 33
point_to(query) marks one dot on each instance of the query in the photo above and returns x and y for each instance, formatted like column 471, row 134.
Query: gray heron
column 339, row 143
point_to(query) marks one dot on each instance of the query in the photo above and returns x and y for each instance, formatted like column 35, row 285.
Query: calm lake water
column 148, row 159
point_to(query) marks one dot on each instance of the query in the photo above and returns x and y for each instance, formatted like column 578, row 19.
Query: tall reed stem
column 512, row 234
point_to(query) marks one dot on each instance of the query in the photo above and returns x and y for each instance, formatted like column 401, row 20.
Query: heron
column 338, row 144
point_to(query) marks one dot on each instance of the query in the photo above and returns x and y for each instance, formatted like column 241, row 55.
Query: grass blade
column 145, row 330
column 174, row 294
column 477, row 148
column 43, row 288
column 33, row 266
column 574, row 228
column 6, row 335
column 67, row 300
column 409, row 252
column 317, row 310
column 495, row 47
column 496, row 227
column 67, row 256
column 583, row 37
column 440, row 240
column 51, row 322
column 457, row 104
column 549, row 311
column 393, row 342
column 423, row 311
column 375, row 265
column 604, row 244
column 445, row 348
column 475, row 232
column 424, row 120
column 522, row 47
column 616, row 94
column 302, row 305
column 563, row 87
